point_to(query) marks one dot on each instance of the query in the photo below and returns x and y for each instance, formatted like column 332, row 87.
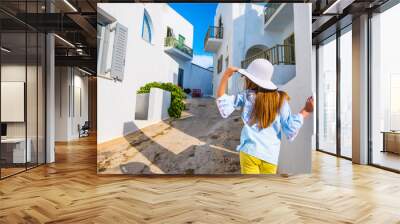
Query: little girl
column 266, row 114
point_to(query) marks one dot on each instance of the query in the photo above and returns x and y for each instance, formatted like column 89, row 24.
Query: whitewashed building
column 281, row 33
column 137, row 44
column 244, row 32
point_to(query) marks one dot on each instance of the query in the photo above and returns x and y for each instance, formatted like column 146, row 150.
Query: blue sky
column 201, row 16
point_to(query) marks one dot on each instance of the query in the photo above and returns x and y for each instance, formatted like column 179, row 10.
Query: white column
column 295, row 157
column 50, row 92
column 360, row 90
column 50, row 99
column 314, row 90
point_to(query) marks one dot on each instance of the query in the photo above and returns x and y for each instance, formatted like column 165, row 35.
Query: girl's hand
column 233, row 69
column 230, row 71
column 224, row 80
column 309, row 107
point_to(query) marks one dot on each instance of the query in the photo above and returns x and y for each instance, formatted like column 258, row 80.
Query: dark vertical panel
column 338, row 82
column 73, row 91
column 317, row 94
column 45, row 90
column 369, row 97
column 37, row 91
column 26, row 79
column 1, row 163
column 32, row 89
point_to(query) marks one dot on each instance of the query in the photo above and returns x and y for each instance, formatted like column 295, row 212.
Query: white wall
column 159, row 101
column 199, row 78
column 61, row 111
column 239, row 21
column 68, row 82
column 15, row 72
column 225, row 10
column 79, row 117
column 145, row 62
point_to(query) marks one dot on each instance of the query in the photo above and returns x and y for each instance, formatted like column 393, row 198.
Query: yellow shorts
column 252, row 165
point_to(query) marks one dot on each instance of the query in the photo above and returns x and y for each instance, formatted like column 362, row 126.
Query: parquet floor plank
column 70, row 191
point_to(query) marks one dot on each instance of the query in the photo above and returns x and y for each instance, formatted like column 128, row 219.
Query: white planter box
column 159, row 102
column 142, row 106
column 152, row 106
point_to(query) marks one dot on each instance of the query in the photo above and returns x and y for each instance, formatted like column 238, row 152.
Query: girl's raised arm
column 224, row 80
column 227, row 103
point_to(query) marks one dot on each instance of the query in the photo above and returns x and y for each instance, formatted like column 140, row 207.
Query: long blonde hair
column 267, row 104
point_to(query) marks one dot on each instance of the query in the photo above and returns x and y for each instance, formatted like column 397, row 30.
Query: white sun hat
column 260, row 72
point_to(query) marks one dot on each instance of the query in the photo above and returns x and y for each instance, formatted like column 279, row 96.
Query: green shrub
column 177, row 96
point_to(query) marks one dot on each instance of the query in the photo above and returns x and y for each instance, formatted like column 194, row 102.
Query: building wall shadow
column 216, row 154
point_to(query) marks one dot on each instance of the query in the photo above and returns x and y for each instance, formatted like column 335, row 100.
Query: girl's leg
column 249, row 164
column 268, row 168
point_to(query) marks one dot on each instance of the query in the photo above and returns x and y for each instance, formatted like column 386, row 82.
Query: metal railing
column 269, row 10
column 214, row 32
column 279, row 54
column 173, row 42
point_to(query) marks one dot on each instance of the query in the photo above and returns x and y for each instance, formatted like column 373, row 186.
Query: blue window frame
column 146, row 27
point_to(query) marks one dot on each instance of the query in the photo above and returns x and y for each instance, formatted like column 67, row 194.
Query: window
column 289, row 55
column 385, row 89
column 22, row 98
column 327, row 96
column 181, row 41
column 219, row 66
column 219, row 30
column 227, row 57
column 170, row 32
column 103, row 47
column 346, row 93
column 180, row 77
column 146, row 27
column 394, row 101
column 335, row 94
column 112, row 50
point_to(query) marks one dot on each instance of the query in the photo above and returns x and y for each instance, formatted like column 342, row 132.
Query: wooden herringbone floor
column 70, row 191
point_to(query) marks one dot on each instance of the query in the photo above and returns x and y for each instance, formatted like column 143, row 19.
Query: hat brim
column 262, row 83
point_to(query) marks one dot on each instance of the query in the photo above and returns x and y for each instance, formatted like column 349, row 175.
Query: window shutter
column 119, row 52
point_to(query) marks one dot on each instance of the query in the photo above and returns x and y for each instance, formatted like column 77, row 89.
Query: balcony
column 283, row 59
column 277, row 55
column 213, row 39
column 178, row 49
column 277, row 16
column 269, row 10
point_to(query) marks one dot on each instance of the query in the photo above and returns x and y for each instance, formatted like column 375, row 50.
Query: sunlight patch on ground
column 173, row 139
